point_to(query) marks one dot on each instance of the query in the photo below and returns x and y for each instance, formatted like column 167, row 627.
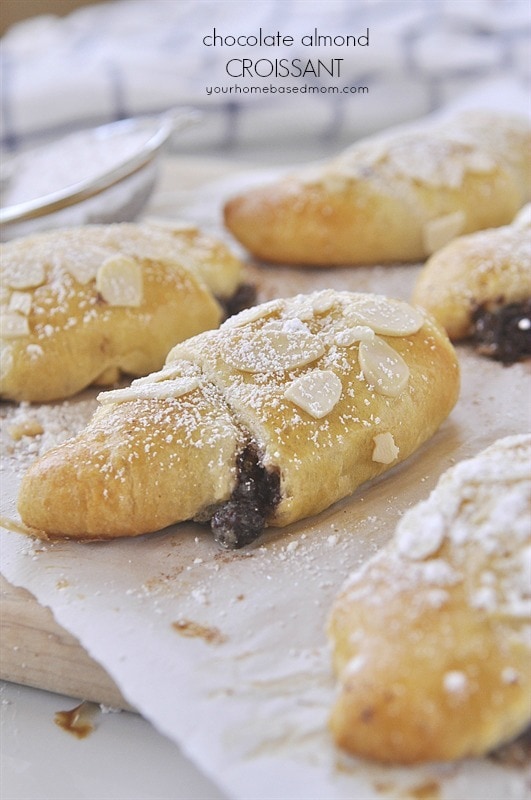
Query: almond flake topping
column 172, row 225
column 324, row 301
column 14, row 325
column 385, row 450
column 24, row 274
column 386, row 316
column 168, row 372
column 417, row 542
column 316, row 392
column 523, row 218
column 271, row 350
column 6, row 360
column 302, row 310
column 81, row 264
column 20, row 302
column 358, row 333
column 383, row 367
column 161, row 390
column 436, row 161
column 119, row 281
column 252, row 314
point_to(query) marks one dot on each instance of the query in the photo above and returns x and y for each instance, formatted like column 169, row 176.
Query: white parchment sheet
column 225, row 652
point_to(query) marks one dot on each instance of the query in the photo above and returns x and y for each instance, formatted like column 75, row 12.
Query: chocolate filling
column 243, row 297
column 503, row 332
column 516, row 753
column 242, row 518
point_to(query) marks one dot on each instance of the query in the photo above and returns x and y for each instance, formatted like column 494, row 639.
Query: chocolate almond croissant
column 83, row 305
column 398, row 196
column 479, row 286
column 282, row 411
column 431, row 635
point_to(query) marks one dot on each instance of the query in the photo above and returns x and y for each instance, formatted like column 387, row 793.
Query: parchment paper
column 226, row 653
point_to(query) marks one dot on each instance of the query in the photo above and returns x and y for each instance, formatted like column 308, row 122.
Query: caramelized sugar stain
column 228, row 556
column 383, row 787
column 79, row 720
column 430, row 790
column 194, row 630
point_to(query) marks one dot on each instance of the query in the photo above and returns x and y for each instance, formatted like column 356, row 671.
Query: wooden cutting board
column 37, row 652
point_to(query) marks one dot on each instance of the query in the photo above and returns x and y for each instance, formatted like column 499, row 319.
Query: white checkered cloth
column 134, row 57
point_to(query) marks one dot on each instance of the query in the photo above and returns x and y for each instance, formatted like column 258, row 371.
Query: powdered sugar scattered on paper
column 226, row 652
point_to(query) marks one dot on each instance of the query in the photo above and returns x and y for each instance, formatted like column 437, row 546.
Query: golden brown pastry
column 394, row 197
column 431, row 636
column 480, row 285
column 284, row 410
column 82, row 305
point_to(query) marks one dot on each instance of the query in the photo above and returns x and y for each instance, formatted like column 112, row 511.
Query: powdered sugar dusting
column 439, row 155
column 256, row 355
column 474, row 528
column 28, row 431
column 102, row 284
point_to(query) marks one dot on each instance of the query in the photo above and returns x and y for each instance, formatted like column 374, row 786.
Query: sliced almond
column 334, row 179
column 119, row 281
column 252, row 314
column 161, row 390
column 6, row 360
column 82, row 265
column 270, row 350
column 383, row 367
column 385, row 450
column 479, row 161
column 300, row 308
column 324, row 301
column 167, row 373
column 289, row 325
column 386, row 316
column 523, row 218
column 316, row 392
column 358, row 333
column 432, row 161
column 13, row 325
column 20, row 302
column 24, row 274
column 438, row 232
column 173, row 225
column 418, row 541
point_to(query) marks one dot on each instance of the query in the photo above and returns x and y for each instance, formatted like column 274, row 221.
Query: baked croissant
column 82, row 305
column 480, row 286
column 431, row 636
column 285, row 409
column 395, row 197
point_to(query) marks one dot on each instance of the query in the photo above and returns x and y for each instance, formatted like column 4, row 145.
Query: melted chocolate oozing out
column 241, row 519
column 504, row 333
